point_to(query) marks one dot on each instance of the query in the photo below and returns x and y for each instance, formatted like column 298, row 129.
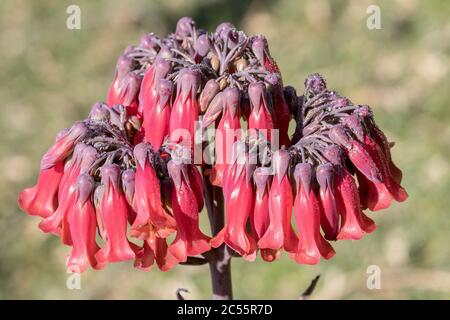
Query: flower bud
column 209, row 92
column 184, row 26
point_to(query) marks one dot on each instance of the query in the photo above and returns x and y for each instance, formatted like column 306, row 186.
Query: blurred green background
column 50, row 76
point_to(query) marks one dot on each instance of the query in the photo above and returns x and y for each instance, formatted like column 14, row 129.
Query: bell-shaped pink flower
column 157, row 116
column 280, row 107
column 185, row 108
column 357, row 153
column 280, row 233
column 149, row 86
column 260, row 120
column 83, row 227
column 148, row 203
column 64, row 145
column 57, row 223
column 260, row 218
column 311, row 245
column 189, row 240
column 41, row 200
column 354, row 223
column 261, row 50
column 127, row 93
column 239, row 199
column 123, row 67
column 330, row 215
column 114, row 216
column 227, row 133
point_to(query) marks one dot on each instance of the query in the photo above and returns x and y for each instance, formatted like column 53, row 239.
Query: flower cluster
column 122, row 184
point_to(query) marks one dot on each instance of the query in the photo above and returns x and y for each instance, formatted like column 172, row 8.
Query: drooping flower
column 150, row 211
column 279, row 234
column 239, row 198
column 114, row 217
column 189, row 240
column 311, row 245
column 83, row 227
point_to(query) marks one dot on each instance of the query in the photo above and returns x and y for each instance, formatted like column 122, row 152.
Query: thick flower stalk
column 123, row 183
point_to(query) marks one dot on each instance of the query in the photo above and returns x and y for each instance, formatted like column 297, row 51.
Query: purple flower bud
column 141, row 153
column 110, row 174
column 209, row 92
column 162, row 68
column 224, row 27
column 303, row 175
column 339, row 135
column 256, row 91
column 315, row 84
column 184, row 26
column 259, row 46
column 165, row 90
column 232, row 99
column 189, row 82
column 99, row 112
column 89, row 155
column 280, row 163
column 202, row 45
column 123, row 66
column 333, row 153
column 85, row 186
column 354, row 123
column 128, row 185
column 325, row 175
column 214, row 110
column 149, row 41
column 164, row 53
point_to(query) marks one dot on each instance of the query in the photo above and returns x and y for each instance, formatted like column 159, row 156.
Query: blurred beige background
column 50, row 76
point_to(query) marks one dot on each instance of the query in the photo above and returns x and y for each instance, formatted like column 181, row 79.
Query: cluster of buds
column 121, row 183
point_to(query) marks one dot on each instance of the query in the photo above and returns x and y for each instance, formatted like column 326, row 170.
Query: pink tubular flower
column 281, row 108
column 261, row 51
column 311, row 244
column 83, row 227
column 157, row 116
column 114, row 216
column 127, row 93
column 378, row 194
column 239, row 199
column 260, row 219
column 260, row 119
column 123, row 66
column 63, row 146
column 227, row 133
column 280, row 233
column 148, row 202
column 189, row 241
column 41, row 200
column 329, row 219
column 149, row 85
column 185, row 108
column 354, row 222
column 57, row 223
column 357, row 153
